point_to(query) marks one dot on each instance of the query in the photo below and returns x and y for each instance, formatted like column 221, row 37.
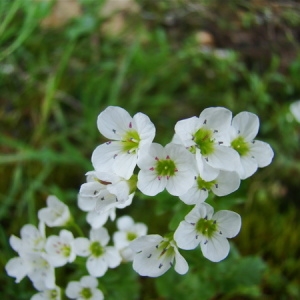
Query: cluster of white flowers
column 211, row 153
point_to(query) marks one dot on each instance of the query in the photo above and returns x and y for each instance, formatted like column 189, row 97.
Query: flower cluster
column 211, row 153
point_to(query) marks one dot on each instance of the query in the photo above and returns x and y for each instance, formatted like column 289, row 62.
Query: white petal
column 104, row 156
column 17, row 267
column 186, row 237
column 194, row 195
column 185, row 129
column 73, row 289
column 246, row 124
column 113, row 122
column 248, row 166
column 229, row 223
column 149, row 184
column 262, row 152
column 125, row 223
column 216, row 118
column 181, row 265
column 124, row 164
column 112, row 257
column 223, row 158
column 207, row 172
column 97, row 219
column 145, row 128
column 180, row 183
column 227, row 182
column 216, row 248
column 97, row 295
column 81, row 246
column 15, row 243
column 145, row 241
column 97, row 266
column 89, row 281
column 295, row 110
column 101, row 235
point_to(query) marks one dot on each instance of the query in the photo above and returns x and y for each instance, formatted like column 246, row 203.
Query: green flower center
column 240, row 145
column 86, row 293
column 166, row 167
column 205, row 185
column 96, row 249
column 204, row 141
column 131, row 236
column 130, row 141
column 66, row 250
column 206, row 227
column 53, row 294
column 165, row 248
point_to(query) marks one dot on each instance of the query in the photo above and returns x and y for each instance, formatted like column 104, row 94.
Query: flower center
column 131, row 236
column 96, row 249
column 166, row 167
column 206, row 227
column 240, row 145
column 204, row 141
column 86, row 293
column 66, row 250
column 130, row 141
column 205, row 185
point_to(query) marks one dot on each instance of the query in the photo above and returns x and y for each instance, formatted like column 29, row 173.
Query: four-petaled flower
column 209, row 134
column 55, row 214
column 253, row 153
column 128, row 136
column 209, row 230
column 85, row 289
column 155, row 255
column 100, row 256
column 169, row 167
column 60, row 249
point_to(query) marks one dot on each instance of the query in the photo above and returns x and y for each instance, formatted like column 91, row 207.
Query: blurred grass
column 56, row 79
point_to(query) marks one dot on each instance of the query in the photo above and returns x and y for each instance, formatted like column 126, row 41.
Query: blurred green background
column 62, row 62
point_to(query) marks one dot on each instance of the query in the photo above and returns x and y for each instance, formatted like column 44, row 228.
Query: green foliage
column 55, row 81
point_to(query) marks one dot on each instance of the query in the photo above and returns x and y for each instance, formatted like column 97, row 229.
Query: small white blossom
column 104, row 191
column 85, row 289
column 209, row 230
column 100, row 256
column 32, row 239
column 253, row 153
column 169, row 167
column 33, row 265
column 48, row 294
column 154, row 255
column 60, row 249
column 55, row 214
column 127, row 137
column 209, row 134
column 128, row 231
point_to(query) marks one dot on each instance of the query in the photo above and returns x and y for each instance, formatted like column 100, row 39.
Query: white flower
column 128, row 136
column 295, row 110
column 104, row 191
column 209, row 230
column 253, row 153
column 55, row 214
column 154, row 255
column 100, row 256
column 33, row 265
column 32, row 239
column 85, row 289
column 169, row 167
column 128, row 231
column 60, row 249
column 48, row 294
column 209, row 134
column 221, row 183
